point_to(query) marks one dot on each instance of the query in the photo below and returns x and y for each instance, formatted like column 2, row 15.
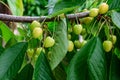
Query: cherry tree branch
column 12, row 18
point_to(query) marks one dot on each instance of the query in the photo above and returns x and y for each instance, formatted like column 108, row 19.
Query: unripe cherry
column 69, row 36
column 70, row 46
column 83, row 43
column 107, row 45
column 113, row 38
column 77, row 29
column 49, row 42
column 30, row 52
column 34, row 24
column 87, row 20
column 93, row 12
column 103, row 8
column 77, row 44
column 37, row 32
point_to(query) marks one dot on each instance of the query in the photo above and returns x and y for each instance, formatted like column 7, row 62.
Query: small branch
column 12, row 18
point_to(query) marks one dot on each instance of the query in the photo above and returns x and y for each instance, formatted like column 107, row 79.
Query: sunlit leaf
column 11, row 42
column 6, row 32
column 59, row 50
column 16, row 7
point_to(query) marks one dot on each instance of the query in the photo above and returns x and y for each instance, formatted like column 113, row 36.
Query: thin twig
column 12, row 18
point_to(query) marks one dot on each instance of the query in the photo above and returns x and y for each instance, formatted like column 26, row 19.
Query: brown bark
column 4, row 9
column 12, row 18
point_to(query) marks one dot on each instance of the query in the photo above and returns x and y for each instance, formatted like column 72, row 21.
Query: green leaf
column 115, row 67
column 66, row 6
column 117, row 52
column 106, row 30
column 21, row 31
column 11, row 60
column 59, row 50
column 93, row 27
column 11, row 42
column 59, row 73
column 6, row 32
column 51, row 25
column 116, row 18
column 89, row 63
column 64, row 10
column 26, row 73
column 1, row 50
column 16, row 7
column 33, row 43
column 42, row 69
column 114, row 4
column 0, row 37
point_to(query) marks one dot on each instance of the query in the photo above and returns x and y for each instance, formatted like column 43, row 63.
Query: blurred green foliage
column 35, row 7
